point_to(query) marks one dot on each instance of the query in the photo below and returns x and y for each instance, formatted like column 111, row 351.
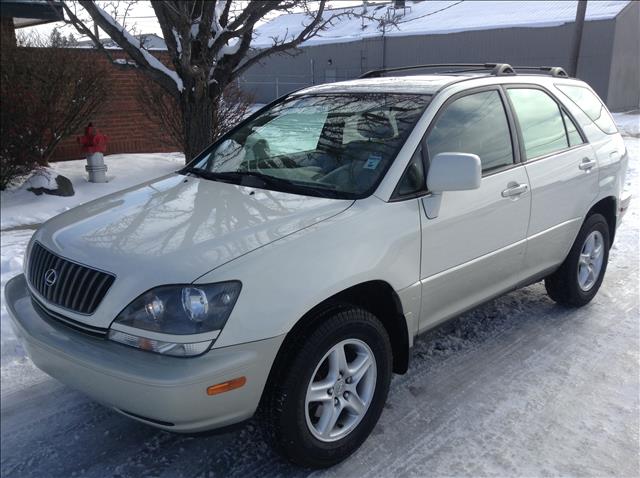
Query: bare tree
column 229, row 109
column 209, row 43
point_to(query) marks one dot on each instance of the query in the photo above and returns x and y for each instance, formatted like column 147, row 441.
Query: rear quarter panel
column 609, row 149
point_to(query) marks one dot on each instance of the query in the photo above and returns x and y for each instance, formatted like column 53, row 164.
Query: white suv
column 289, row 267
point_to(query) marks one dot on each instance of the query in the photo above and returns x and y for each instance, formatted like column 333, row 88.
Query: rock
column 65, row 188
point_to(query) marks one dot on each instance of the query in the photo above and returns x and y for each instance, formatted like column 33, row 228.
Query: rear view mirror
column 454, row 172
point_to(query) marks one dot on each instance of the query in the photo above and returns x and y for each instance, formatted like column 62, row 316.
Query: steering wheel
column 287, row 162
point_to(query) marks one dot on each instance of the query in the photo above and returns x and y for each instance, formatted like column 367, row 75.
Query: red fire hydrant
column 94, row 144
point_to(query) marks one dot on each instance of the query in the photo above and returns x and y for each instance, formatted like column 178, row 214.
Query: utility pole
column 577, row 37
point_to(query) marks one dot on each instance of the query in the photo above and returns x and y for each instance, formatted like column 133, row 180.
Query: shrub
column 47, row 92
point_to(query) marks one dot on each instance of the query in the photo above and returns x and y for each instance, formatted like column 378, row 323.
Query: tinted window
column 572, row 131
column 591, row 105
column 475, row 124
column 540, row 122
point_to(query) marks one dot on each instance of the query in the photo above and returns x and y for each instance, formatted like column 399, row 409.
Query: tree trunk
column 197, row 123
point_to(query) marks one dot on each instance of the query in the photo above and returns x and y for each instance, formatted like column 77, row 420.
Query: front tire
column 332, row 389
column 579, row 277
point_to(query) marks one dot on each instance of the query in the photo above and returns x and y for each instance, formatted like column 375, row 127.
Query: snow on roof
column 150, row 41
column 438, row 17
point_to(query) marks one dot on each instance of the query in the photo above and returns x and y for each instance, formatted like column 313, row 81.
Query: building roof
column 150, row 41
column 438, row 17
column 430, row 17
column 26, row 13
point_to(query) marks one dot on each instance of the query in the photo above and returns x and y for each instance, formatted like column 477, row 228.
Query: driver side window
column 475, row 124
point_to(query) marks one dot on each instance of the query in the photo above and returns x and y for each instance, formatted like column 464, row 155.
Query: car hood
column 177, row 228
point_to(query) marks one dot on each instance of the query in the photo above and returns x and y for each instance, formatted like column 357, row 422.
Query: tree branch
column 166, row 78
column 312, row 29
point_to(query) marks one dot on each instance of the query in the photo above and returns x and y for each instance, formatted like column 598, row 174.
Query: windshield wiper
column 203, row 173
column 267, row 181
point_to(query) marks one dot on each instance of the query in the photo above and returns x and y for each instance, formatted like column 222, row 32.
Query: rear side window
column 588, row 102
column 475, row 124
column 540, row 122
column 572, row 131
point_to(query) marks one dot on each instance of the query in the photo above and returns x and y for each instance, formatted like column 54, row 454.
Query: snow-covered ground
column 517, row 387
column 21, row 207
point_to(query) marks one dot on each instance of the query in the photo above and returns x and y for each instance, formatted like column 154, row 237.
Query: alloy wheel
column 341, row 390
column 591, row 260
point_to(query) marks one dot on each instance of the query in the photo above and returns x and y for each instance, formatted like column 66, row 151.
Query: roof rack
column 552, row 70
column 495, row 69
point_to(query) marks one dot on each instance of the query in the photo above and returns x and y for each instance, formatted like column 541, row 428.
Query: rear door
column 474, row 247
column 562, row 170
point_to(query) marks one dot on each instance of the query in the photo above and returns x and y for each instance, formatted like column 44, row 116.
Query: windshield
column 334, row 145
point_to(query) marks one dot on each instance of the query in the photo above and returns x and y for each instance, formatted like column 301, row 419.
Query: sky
column 140, row 19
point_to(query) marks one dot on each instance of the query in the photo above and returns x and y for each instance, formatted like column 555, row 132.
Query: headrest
column 375, row 126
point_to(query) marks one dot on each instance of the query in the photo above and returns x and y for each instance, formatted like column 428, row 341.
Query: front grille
column 72, row 286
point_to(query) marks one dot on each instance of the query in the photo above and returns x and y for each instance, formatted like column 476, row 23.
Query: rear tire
column 579, row 277
column 321, row 408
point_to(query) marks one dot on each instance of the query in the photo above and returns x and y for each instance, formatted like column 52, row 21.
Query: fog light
column 159, row 346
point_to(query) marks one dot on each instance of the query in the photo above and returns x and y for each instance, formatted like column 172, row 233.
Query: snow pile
column 628, row 123
column 435, row 17
column 22, row 208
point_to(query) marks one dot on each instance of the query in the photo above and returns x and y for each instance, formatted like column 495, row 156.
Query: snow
column 23, row 208
column 517, row 387
column 150, row 42
column 178, row 42
column 628, row 123
column 436, row 17
column 149, row 58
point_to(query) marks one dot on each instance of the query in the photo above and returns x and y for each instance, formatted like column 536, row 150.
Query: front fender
column 282, row 281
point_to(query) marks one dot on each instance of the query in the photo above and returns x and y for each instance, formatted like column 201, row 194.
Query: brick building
column 121, row 117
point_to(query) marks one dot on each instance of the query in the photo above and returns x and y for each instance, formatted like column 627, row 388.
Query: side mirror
column 454, row 172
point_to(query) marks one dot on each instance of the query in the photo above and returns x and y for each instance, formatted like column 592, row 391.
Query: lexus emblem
column 50, row 277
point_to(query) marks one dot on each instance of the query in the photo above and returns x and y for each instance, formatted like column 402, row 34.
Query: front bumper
column 167, row 392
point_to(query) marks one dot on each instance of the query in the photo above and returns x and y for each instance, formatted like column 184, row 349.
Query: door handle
column 587, row 164
column 515, row 190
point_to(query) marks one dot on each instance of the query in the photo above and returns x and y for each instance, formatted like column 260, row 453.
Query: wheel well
column 377, row 297
column 606, row 207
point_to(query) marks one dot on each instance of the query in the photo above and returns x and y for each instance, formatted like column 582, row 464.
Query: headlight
column 177, row 310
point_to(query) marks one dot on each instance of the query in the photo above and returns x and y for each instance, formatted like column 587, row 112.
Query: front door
column 473, row 242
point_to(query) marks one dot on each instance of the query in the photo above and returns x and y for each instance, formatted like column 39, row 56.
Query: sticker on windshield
column 373, row 161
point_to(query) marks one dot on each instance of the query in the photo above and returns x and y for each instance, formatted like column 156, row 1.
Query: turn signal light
column 226, row 386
